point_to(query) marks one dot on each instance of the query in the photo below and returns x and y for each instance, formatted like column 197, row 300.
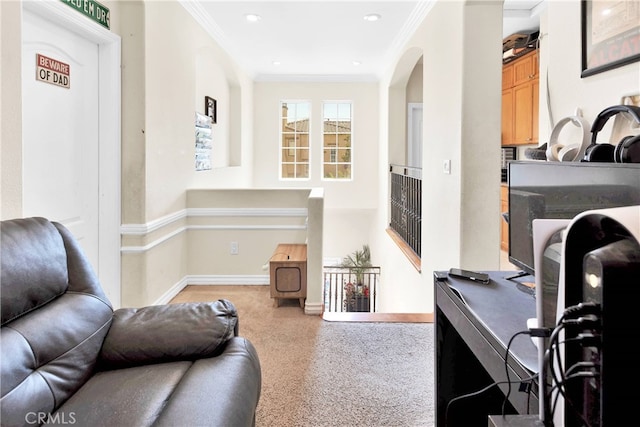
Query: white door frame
column 109, row 81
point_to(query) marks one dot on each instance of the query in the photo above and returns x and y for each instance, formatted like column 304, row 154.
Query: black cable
column 476, row 393
column 506, row 368
column 587, row 320
column 582, row 375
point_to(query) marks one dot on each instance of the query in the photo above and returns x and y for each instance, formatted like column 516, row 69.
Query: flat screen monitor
column 561, row 190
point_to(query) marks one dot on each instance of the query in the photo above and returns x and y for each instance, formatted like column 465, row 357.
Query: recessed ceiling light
column 372, row 17
column 356, row 63
column 276, row 63
column 252, row 17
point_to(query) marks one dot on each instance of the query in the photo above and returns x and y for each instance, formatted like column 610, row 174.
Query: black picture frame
column 609, row 41
column 211, row 108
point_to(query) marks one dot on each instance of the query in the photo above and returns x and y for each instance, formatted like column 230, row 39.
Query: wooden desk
column 474, row 324
column 288, row 273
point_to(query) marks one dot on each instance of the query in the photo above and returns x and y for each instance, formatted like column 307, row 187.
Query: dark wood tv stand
column 474, row 324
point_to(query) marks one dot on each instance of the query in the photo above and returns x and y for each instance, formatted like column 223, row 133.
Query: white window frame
column 334, row 153
column 281, row 146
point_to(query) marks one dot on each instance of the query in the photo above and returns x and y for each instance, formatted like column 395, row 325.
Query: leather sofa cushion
column 228, row 385
column 165, row 333
column 32, row 252
column 219, row 391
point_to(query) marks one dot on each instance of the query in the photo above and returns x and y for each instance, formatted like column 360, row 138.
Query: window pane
column 288, row 170
column 330, row 111
column 302, row 140
column 329, row 171
column 302, row 170
column 330, row 140
column 344, row 171
column 344, row 111
column 337, row 153
column 343, row 127
column 344, row 156
column 294, row 119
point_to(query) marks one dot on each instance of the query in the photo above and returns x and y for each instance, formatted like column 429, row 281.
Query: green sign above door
column 92, row 9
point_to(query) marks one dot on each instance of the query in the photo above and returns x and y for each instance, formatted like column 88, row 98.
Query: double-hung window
column 294, row 139
column 336, row 137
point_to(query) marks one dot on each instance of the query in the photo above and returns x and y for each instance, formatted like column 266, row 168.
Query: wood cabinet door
column 523, row 114
column 534, row 65
column 523, row 69
column 507, row 117
column 507, row 77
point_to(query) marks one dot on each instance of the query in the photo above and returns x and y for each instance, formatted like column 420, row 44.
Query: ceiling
column 327, row 40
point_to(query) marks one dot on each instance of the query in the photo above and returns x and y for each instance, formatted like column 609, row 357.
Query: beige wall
column 169, row 64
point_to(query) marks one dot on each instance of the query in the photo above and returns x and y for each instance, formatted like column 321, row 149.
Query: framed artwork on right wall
column 610, row 35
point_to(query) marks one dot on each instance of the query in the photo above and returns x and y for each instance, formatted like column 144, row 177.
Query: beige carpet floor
column 320, row 373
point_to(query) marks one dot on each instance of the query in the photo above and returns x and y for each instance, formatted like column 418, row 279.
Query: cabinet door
column 507, row 77
column 507, row 117
column 523, row 114
column 535, row 113
column 523, row 69
column 534, row 65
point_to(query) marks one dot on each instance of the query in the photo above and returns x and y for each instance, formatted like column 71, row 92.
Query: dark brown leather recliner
column 68, row 359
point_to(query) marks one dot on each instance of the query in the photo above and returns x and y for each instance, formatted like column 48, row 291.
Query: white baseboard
column 313, row 309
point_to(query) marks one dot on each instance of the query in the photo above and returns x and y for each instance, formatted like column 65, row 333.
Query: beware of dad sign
column 49, row 70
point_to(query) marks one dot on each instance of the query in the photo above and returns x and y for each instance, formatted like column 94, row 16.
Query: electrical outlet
column 234, row 248
column 446, row 166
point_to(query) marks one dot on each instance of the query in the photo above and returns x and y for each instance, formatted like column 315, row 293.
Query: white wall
column 560, row 62
column 461, row 100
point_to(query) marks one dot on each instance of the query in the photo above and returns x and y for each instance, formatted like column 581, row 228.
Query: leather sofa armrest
column 164, row 333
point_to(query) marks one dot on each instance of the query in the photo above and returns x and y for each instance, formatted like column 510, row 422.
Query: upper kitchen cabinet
column 520, row 89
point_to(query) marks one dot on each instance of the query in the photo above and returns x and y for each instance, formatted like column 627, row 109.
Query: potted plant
column 357, row 262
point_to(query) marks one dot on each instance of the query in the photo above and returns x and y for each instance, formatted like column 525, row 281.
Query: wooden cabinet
column 520, row 103
column 504, row 227
column 507, row 116
column 507, row 77
column 525, row 68
column 288, row 273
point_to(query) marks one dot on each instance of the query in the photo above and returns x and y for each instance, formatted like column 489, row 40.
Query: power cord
column 479, row 392
column 582, row 315
column 581, row 319
column 534, row 332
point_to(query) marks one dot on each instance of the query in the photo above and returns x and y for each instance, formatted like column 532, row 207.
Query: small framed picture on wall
column 211, row 108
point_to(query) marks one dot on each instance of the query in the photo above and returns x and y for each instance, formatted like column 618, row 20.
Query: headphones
column 627, row 150
column 570, row 152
